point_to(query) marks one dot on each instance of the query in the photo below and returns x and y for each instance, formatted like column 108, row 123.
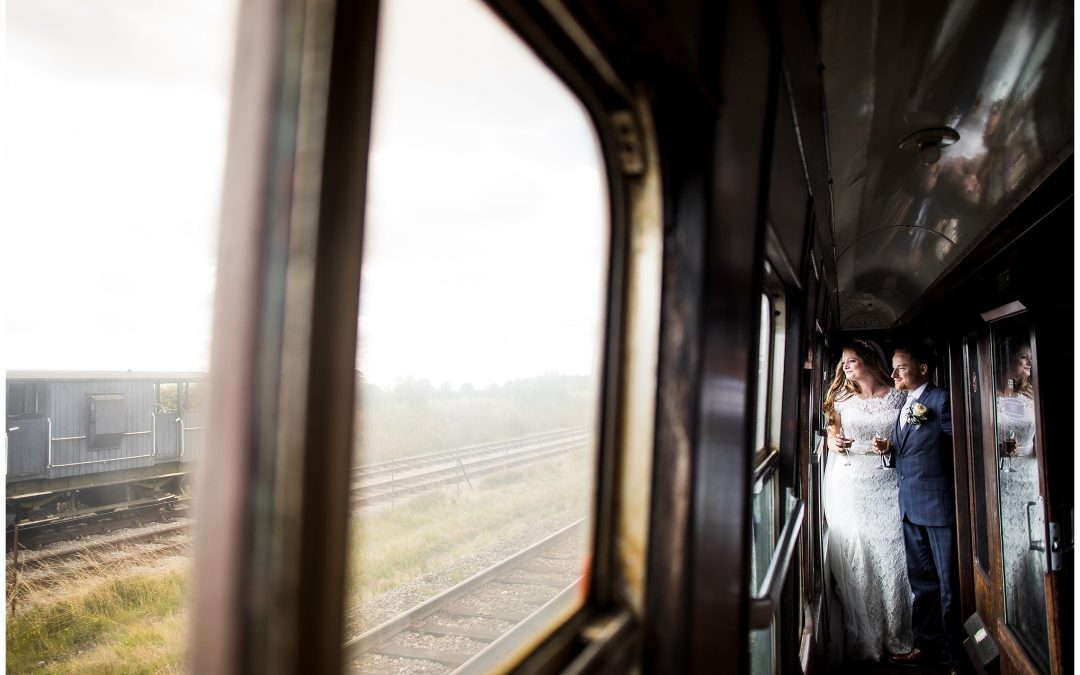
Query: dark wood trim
column 990, row 474
column 736, row 197
column 329, row 361
column 1053, row 595
column 965, row 507
column 1012, row 653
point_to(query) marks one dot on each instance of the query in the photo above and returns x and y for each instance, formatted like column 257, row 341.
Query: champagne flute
column 1009, row 447
column 878, row 439
column 842, row 438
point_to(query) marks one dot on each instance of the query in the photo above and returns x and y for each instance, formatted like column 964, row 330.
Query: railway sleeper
column 422, row 654
column 478, row 634
column 486, row 612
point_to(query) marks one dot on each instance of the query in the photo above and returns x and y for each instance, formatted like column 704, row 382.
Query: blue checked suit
column 923, row 461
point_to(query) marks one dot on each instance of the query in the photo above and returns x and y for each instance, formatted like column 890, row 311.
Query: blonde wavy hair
column 842, row 388
column 1022, row 385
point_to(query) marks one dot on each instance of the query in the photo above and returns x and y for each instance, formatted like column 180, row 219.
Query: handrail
column 771, row 458
column 818, row 451
column 763, row 606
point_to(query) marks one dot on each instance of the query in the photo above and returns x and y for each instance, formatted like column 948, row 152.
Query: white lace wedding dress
column 866, row 543
column 1018, row 478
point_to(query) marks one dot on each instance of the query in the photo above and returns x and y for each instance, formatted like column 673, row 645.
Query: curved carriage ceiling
column 998, row 73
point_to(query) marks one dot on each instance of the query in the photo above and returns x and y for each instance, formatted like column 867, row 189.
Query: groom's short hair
column 920, row 352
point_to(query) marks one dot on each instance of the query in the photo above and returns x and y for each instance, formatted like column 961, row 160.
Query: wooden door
column 1014, row 534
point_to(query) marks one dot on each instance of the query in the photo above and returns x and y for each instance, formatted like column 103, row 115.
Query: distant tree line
column 416, row 417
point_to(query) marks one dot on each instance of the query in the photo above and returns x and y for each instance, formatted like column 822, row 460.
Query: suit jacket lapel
column 906, row 428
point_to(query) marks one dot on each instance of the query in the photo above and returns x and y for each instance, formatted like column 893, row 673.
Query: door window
column 1023, row 538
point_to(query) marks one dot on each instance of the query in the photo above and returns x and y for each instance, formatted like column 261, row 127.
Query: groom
column 921, row 452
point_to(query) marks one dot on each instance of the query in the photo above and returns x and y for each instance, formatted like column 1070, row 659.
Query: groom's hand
column 881, row 445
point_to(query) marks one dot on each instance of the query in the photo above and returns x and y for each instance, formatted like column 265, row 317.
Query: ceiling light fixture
column 929, row 142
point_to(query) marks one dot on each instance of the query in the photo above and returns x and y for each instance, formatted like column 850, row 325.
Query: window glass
column 116, row 115
column 1023, row 531
column 763, row 535
column 25, row 399
column 762, row 661
column 481, row 308
column 776, row 388
column 764, row 358
column 770, row 367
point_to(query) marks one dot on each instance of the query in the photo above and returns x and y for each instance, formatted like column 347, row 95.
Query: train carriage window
column 193, row 396
column 116, row 116
column 767, row 517
column 1022, row 516
column 168, row 397
column 481, row 306
column 770, row 367
column 26, row 400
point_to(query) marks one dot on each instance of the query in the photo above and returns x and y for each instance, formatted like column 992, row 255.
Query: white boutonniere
column 916, row 415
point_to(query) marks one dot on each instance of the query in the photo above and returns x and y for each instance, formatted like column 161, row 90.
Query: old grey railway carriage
column 89, row 439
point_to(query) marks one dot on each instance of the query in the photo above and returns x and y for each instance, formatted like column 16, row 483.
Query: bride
column 1018, row 481
column 866, row 543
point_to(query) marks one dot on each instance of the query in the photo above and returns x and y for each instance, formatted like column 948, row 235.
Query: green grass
column 119, row 623
column 434, row 530
column 128, row 624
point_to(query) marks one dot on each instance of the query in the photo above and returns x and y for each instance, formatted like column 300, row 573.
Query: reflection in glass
column 763, row 534
column 761, row 654
column 1022, row 525
column 480, row 333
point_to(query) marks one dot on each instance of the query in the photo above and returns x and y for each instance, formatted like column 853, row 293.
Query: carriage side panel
column 71, row 453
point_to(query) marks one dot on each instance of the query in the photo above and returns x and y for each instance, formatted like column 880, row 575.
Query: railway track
column 474, row 624
column 382, row 469
column 95, row 520
column 46, row 567
column 385, row 481
column 372, row 484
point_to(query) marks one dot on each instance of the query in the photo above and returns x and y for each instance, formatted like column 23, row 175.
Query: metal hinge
column 1056, row 553
column 631, row 156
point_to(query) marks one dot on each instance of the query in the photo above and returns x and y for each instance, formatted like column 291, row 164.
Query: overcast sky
column 487, row 217
column 487, row 222
column 115, row 140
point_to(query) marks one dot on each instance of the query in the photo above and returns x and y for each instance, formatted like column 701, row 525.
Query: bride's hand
column 842, row 444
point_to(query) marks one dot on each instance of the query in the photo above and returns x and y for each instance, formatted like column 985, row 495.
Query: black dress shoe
column 919, row 657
